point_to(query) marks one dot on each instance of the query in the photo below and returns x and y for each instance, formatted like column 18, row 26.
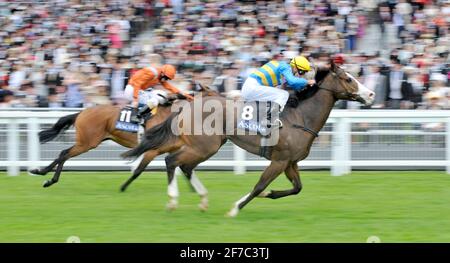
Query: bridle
column 348, row 94
column 351, row 95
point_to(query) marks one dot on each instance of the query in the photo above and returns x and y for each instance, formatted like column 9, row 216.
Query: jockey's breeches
column 253, row 91
column 147, row 97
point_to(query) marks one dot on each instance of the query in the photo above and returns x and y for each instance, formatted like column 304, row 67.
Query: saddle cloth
column 252, row 116
column 124, row 121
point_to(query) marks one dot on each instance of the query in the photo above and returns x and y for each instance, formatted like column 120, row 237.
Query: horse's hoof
column 203, row 207
column 123, row 188
column 233, row 212
column 172, row 205
column 47, row 183
column 34, row 172
column 203, row 204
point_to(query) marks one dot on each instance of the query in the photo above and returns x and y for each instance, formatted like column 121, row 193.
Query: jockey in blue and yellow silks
column 262, row 84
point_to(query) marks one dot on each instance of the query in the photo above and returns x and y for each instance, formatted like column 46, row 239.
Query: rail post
column 341, row 147
column 13, row 148
column 239, row 158
column 33, row 143
column 447, row 145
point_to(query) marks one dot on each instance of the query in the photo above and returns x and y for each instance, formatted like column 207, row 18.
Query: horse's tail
column 61, row 125
column 154, row 138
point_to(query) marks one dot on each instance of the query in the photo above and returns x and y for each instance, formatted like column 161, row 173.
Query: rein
column 306, row 129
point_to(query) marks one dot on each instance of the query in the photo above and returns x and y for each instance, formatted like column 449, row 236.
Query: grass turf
column 395, row 206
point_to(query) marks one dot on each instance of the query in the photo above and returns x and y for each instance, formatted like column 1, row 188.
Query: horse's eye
column 349, row 80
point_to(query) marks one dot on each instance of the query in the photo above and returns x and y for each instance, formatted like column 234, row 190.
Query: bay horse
column 300, row 127
column 97, row 124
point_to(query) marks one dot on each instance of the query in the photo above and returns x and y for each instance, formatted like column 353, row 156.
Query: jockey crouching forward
column 262, row 84
column 139, row 89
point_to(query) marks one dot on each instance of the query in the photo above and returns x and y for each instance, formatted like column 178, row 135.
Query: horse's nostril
column 371, row 94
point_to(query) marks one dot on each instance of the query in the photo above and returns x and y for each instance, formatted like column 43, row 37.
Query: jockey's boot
column 134, row 116
column 273, row 115
column 142, row 111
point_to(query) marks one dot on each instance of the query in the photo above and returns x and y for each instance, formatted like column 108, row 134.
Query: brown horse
column 95, row 125
column 301, row 125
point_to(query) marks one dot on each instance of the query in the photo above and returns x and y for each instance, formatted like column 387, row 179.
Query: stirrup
column 276, row 124
column 135, row 118
column 279, row 123
column 143, row 110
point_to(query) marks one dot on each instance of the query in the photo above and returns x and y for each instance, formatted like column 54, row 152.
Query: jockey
column 262, row 84
column 139, row 89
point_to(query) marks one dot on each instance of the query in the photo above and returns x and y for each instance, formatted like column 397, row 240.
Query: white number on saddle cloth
column 247, row 113
column 125, row 115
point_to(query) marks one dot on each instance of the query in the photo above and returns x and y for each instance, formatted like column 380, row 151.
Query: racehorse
column 300, row 127
column 95, row 125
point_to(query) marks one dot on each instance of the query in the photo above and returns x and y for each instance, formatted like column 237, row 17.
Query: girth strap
column 306, row 129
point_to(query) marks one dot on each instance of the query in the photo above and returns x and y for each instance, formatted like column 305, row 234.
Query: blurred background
column 81, row 53
column 59, row 56
column 65, row 55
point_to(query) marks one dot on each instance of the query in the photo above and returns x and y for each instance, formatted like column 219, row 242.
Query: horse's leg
column 172, row 189
column 45, row 170
column 63, row 157
column 270, row 173
column 293, row 176
column 148, row 157
column 188, row 171
column 189, row 157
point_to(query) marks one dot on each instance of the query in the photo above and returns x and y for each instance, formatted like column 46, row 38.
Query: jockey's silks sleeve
column 170, row 87
column 173, row 89
column 294, row 82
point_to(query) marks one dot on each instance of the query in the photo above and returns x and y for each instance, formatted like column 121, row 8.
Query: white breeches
column 253, row 91
column 151, row 97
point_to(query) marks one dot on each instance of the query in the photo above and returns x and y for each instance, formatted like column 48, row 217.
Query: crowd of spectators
column 415, row 73
column 81, row 53
column 65, row 53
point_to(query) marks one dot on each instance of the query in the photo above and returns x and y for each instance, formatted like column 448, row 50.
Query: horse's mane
column 311, row 91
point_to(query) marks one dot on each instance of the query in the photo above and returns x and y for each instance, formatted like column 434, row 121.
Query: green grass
column 395, row 206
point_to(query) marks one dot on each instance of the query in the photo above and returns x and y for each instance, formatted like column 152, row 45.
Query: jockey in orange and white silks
column 139, row 86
